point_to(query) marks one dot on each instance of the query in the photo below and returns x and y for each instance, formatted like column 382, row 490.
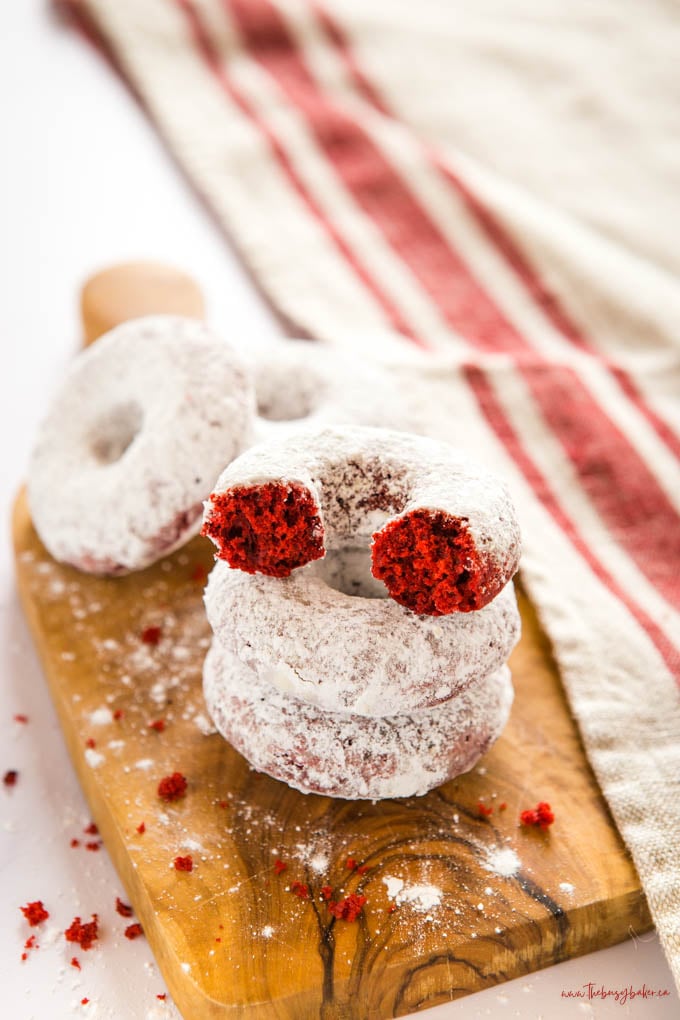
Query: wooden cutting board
column 231, row 938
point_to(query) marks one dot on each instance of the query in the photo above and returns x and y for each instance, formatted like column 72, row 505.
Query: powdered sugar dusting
column 138, row 374
column 395, row 657
column 319, row 864
column 93, row 758
column 101, row 717
column 502, row 861
column 352, row 756
column 394, row 886
column 422, row 897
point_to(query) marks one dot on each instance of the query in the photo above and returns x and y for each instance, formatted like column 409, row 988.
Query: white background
column 84, row 182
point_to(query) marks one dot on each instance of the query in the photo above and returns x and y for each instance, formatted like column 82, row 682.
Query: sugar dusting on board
column 422, row 897
column 430, row 902
column 502, row 861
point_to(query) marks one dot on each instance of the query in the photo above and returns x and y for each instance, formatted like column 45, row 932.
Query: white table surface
column 84, row 182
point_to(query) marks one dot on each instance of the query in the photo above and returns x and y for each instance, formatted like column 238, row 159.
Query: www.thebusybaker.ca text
column 591, row 990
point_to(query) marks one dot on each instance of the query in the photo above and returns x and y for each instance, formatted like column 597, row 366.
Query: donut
column 305, row 383
column 443, row 531
column 329, row 635
column 133, row 441
column 350, row 756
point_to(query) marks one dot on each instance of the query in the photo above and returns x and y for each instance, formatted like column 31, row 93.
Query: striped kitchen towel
column 497, row 182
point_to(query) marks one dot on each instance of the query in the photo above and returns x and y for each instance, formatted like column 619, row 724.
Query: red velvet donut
column 444, row 533
column 351, row 756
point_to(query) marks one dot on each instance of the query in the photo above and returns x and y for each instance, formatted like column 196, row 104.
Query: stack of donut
column 362, row 609
column 362, row 603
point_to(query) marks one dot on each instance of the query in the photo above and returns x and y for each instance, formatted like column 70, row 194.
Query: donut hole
column 115, row 431
column 349, row 571
column 286, row 394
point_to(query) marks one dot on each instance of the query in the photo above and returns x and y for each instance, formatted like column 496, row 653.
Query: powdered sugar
column 421, row 897
column 360, row 477
column 93, row 758
column 502, row 861
column 135, row 436
column 354, row 654
column 101, row 717
column 348, row 755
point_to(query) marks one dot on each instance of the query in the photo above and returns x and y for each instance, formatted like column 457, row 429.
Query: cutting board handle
column 129, row 290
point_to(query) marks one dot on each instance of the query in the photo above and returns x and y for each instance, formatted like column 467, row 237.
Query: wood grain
column 230, row 938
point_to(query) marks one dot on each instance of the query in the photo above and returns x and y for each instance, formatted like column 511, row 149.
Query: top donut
column 443, row 531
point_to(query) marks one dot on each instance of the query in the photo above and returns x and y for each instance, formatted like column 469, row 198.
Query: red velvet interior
column 267, row 529
column 429, row 563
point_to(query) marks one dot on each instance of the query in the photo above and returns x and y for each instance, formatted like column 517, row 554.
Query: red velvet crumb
column 84, row 934
column 429, row 563
column 10, row 777
column 122, row 908
column 184, row 863
column 151, row 635
column 326, row 891
column 541, row 816
column 267, row 529
column 158, row 725
column 483, row 810
column 35, row 912
column 20, row 718
column 348, row 909
column 133, row 931
column 300, row 889
column 162, row 996
column 141, row 828
column 172, row 787
column 75, row 962
column 279, row 866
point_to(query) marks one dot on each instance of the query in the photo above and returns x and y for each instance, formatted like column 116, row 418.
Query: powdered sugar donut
column 346, row 755
column 305, row 383
column 134, row 439
column 326, row 636
column 444, row 532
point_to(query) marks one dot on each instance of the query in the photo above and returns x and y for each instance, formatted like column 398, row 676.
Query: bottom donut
column 352, row 756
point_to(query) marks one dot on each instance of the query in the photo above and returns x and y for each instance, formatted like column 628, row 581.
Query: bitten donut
column 134, row 439
column 444, row 533
column 315, row 635
column 346, row 755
